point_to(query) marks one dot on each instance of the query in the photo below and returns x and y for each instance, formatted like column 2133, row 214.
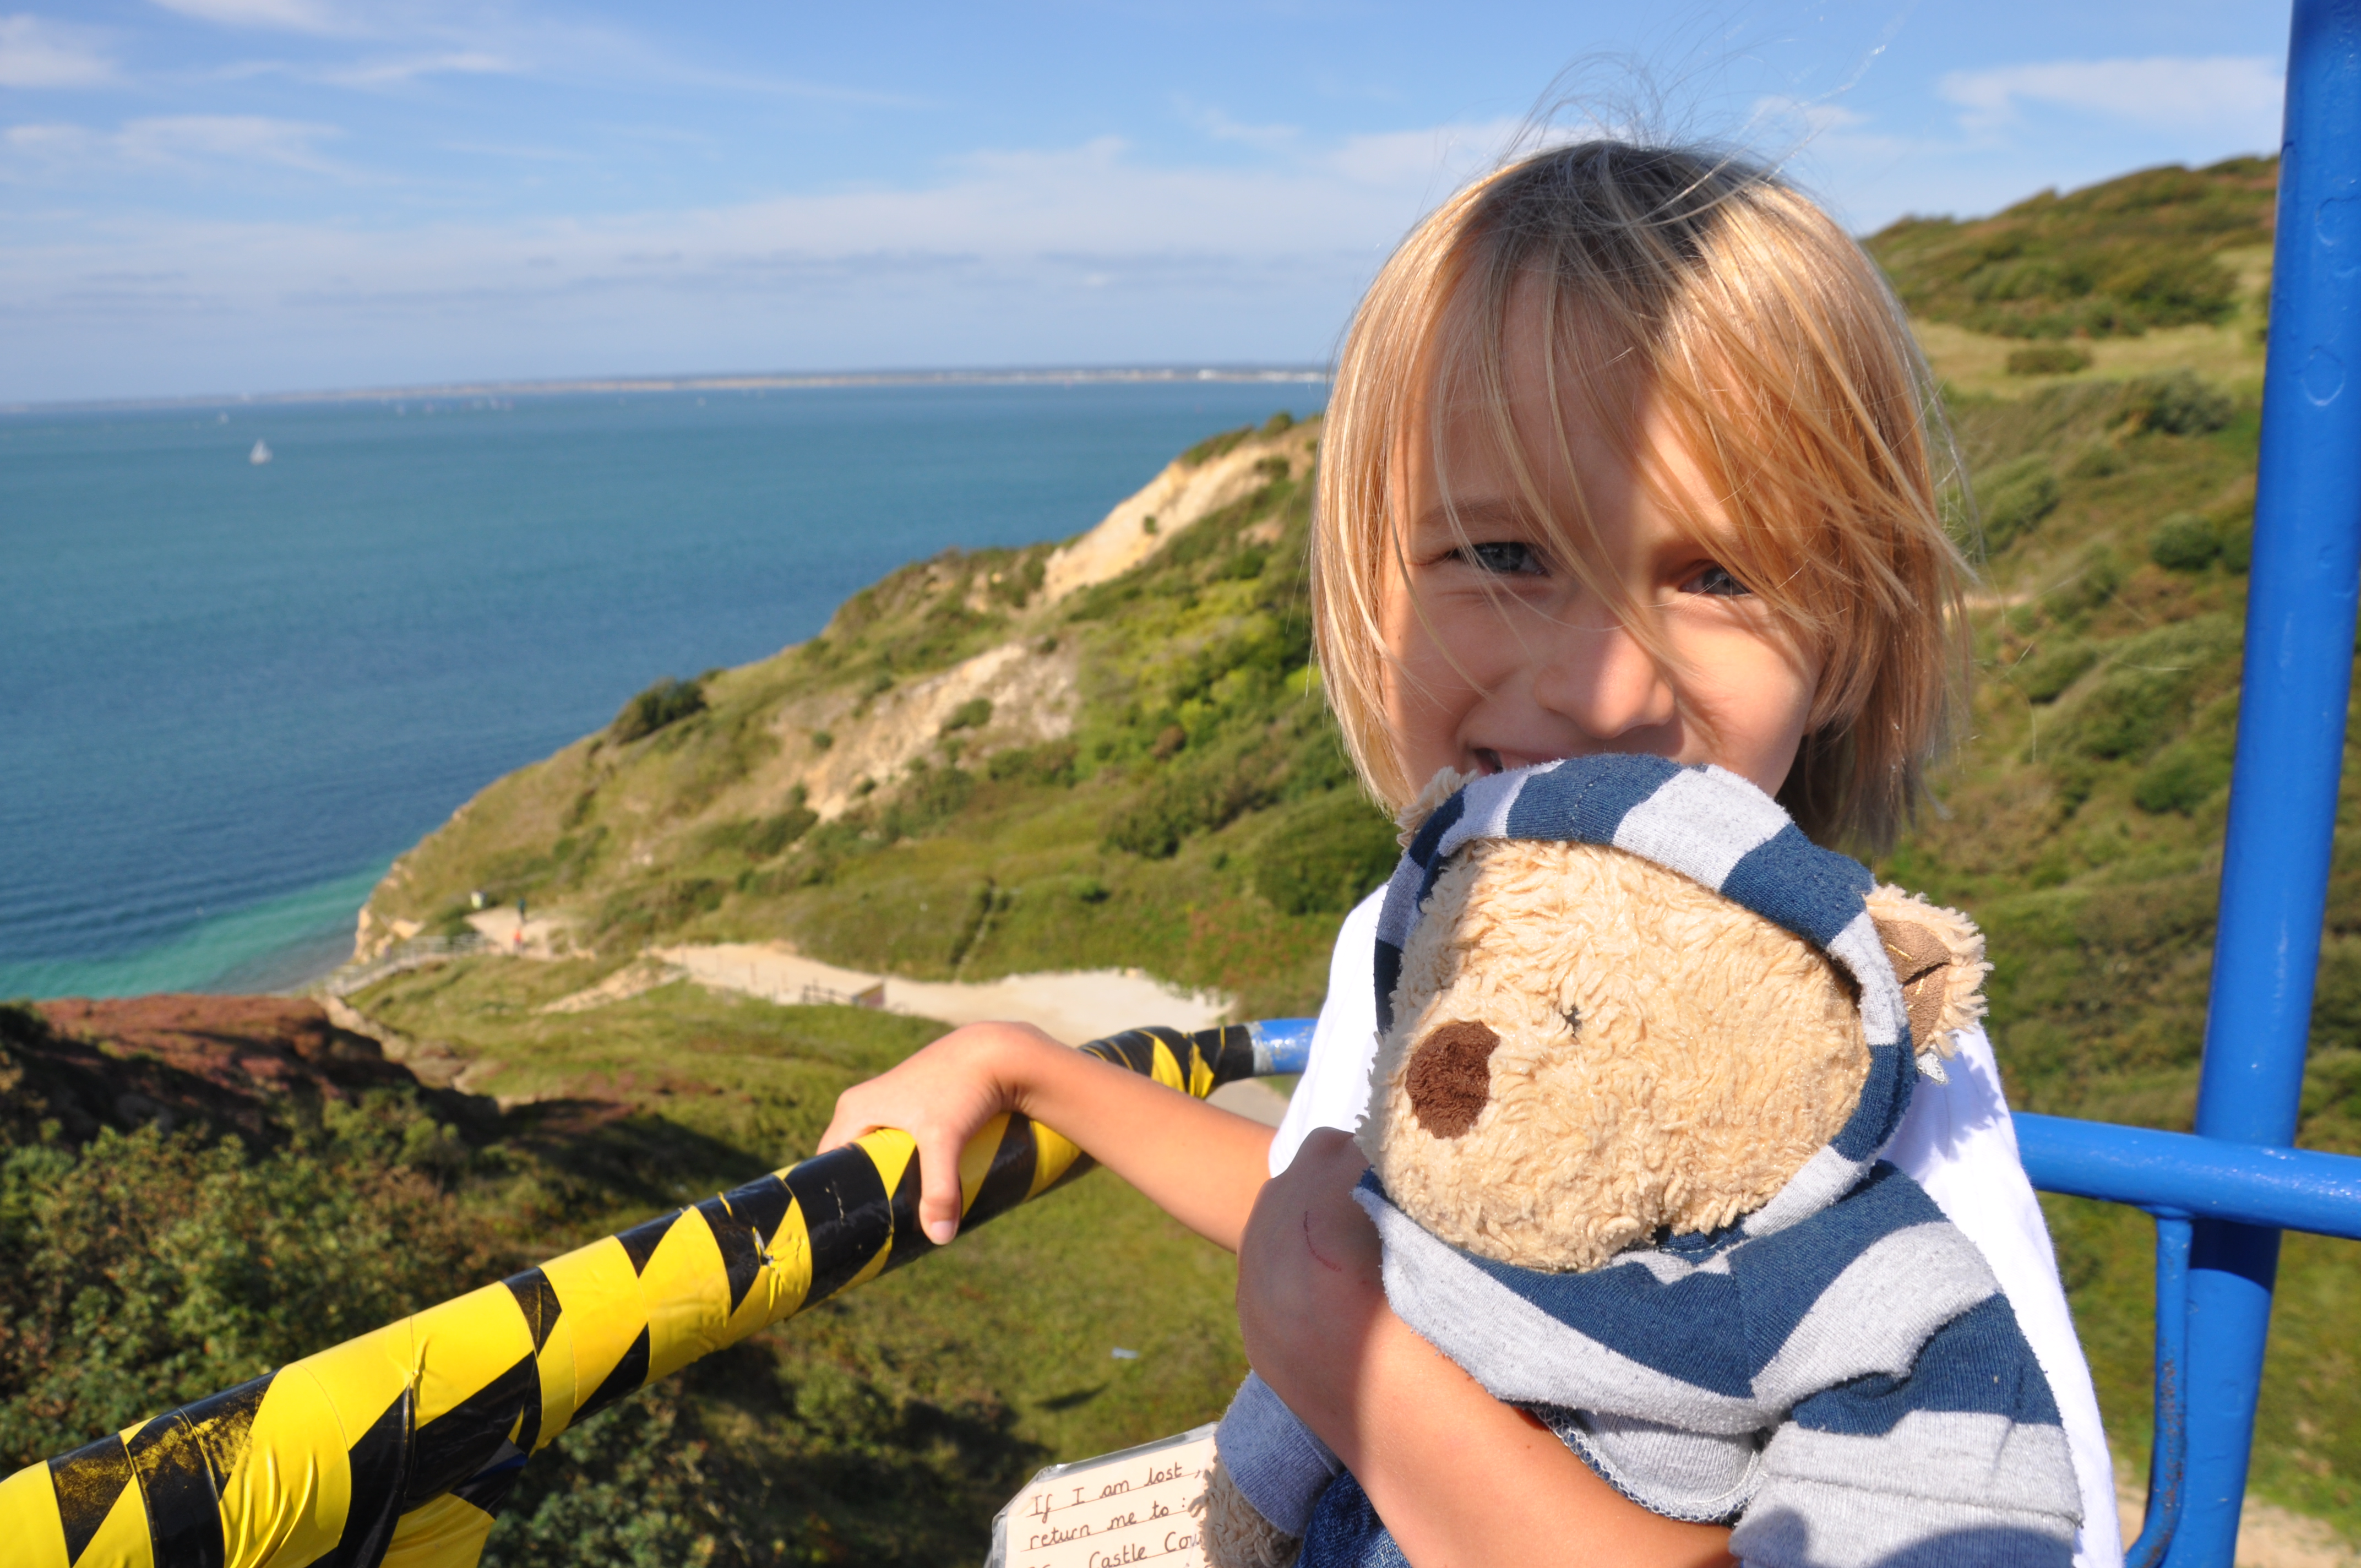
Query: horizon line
column 693, row 382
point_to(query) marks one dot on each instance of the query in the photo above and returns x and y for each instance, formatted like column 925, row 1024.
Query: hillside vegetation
column 971, row 773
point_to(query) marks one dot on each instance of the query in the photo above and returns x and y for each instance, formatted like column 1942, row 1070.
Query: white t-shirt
column 1957, row 1140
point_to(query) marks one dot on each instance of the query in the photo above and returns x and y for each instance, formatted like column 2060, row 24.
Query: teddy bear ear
column 1938, row 958
column 1440, row 788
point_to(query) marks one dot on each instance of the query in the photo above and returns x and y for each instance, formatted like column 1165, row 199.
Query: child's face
column 1501, row 657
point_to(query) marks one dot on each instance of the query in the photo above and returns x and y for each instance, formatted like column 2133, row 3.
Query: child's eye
column 1505, row 557
column 1715, row 580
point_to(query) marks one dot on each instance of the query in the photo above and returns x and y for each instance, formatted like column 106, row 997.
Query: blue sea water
column 230, row 693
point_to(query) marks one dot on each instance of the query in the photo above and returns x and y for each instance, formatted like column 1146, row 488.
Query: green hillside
column 1157, row 784
column 999, row 761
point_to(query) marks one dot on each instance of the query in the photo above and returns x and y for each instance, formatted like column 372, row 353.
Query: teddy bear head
column 1585, row 1047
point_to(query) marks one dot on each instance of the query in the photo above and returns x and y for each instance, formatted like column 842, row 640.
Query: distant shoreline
column 722, row 382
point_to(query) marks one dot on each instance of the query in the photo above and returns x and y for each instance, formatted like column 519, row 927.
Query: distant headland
column 723, row 381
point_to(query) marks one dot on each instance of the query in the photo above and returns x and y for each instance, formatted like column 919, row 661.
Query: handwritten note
column 1143, row 1505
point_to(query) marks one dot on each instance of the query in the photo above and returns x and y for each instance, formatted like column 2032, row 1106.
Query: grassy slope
column 2081, row 823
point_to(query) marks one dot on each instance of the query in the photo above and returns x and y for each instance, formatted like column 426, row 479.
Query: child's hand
column 1457, row 1475
column 1309, row 1289
column 940, row 1097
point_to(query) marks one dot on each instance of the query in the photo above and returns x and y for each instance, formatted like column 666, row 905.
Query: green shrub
column 1189, row 799
column 666, row 702
column 150, row 1269
column 2146, row 692
column 932, row 797
column 1214, row 446
column 2183, row 403
column 972, row 714
column 2183, row 777
column 1325, row 860
column 2049, row 671
column 2048, row 360
column 1279, row 423
column 760, row 837
column 2014, row 497
column 1051, row 763
column 2184, row 543
column 2098, row 573
column 2101, row 461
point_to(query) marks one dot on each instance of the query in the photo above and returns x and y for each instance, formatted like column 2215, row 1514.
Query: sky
column 224, row 197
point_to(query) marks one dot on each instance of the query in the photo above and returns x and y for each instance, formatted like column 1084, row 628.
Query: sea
column 232, row 691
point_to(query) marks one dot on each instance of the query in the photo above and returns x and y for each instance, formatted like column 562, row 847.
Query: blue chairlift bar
column 2206, row 1179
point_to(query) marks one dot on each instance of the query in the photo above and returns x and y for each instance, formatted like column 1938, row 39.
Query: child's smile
column 1501, row 655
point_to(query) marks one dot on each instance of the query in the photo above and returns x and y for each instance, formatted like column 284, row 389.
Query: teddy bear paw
column 1237, row 1535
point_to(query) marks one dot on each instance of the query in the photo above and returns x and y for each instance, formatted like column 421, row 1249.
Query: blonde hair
column 1787, row 374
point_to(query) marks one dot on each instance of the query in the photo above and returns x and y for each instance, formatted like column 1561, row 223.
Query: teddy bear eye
column 1572, row 1016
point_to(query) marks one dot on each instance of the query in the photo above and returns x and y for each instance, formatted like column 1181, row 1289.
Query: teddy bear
column 1640, row 1045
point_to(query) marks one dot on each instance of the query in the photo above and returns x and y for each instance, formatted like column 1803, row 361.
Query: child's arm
column 1457, row 1476
column 1200, row 1165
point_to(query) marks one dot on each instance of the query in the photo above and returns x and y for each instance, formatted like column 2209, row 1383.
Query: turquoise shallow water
column 233, row 693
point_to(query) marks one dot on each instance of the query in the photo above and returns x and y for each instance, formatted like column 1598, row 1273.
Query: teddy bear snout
column 1450, row 1077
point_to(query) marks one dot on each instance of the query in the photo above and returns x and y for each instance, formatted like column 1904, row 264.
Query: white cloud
column 1216, row 124
column 181, row 143
column 279, row 15
column 235, row 139
column 2238, row 94
column 396, row 73
column 36, row 52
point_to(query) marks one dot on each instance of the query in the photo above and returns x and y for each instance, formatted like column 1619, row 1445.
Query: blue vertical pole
column 2299, row 666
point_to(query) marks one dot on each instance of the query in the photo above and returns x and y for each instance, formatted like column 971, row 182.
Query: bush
column 1324, row 860
column 2147, row 691
column 2183, row 777
column 1214, row 446
column 2184, row 543
column 666, row 702
column 933, row 797
column 2183, row 403
column 150, row 1269
column 2015, row 497
column 2048, row 360
column 972, row 714
column 2045, row 675
column 1051, row 763
column 1188, row 799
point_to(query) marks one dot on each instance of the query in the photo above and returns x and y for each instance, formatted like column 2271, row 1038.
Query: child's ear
column 1938, row 958
column 1440, row 788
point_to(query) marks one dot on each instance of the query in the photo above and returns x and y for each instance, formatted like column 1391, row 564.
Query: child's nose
column 1602, row 678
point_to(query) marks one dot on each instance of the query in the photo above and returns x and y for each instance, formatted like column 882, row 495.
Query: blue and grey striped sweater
column 1837, row 1373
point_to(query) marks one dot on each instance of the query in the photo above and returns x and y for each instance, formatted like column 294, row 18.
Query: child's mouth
column 1489, row 760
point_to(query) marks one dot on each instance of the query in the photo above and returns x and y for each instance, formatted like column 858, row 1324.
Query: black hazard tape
column 412, row 1437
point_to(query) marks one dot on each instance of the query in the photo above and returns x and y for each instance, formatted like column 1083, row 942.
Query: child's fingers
column 939, row 1184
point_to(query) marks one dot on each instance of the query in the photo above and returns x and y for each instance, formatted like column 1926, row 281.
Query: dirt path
column 2268, row 1535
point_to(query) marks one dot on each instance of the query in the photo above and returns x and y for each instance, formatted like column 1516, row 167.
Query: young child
column 1629, row 450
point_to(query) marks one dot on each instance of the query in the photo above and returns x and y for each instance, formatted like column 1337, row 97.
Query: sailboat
column 260, row 454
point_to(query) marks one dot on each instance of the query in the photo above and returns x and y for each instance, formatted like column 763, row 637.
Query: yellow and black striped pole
column 399, row 1447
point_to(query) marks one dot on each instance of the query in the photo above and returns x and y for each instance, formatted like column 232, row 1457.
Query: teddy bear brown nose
column 1450, row 1077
